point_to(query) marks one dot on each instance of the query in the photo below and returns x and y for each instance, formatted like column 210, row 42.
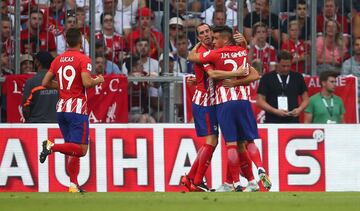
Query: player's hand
column 240, row 39
column 282, row 113
column 99, row 79
column 243, row 71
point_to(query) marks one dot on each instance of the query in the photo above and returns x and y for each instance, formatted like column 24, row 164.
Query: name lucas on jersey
column 234, row 54
column 67, row 59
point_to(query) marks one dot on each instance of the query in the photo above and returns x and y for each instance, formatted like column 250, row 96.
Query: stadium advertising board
column 153, row 157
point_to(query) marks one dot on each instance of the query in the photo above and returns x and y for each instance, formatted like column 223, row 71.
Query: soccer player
column 203, row 108
column 233, row 108
column 72, row 70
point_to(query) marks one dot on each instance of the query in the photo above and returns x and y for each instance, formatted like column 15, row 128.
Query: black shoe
column 199, row 188
column 45, row 152
column 238, row 189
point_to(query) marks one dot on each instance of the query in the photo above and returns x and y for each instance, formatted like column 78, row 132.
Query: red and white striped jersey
column 205, row 86
column 228, row 58
column 68, row 68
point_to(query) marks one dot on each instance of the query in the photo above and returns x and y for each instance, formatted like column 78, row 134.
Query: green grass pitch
column 318, row 201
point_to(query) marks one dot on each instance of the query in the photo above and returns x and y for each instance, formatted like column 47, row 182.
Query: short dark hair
column 201, row 24
column 302, row 2
column 5, row 18
column 225, row 31
column 180, row 37
column 284, row 55
column 130, row 62
column 140, row 39
column 325, row 75
column 36, row 10
column 103, row 15
column 73, row 37
column 219, row 11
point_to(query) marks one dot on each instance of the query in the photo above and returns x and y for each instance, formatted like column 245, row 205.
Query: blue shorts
column 237, row 121
column 205, row 120
column 74, row 127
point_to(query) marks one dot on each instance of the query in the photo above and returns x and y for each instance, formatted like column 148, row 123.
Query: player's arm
column 89, row 82
column 193, row 56
column 48, row 81
column 222, row 74
column 253, row 76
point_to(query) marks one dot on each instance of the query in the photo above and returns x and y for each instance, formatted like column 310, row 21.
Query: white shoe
column 252, row 187
column 225, row 188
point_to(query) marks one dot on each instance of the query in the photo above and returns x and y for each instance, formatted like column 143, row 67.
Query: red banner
column 108, row 102
column 346, row 89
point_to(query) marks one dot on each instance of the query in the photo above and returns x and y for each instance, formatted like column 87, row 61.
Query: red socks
column 68, row 149
column 245, row 165
column 233, row 163
column 204, row 162
column 73, row 168
column 254, row 154
column 195, row 165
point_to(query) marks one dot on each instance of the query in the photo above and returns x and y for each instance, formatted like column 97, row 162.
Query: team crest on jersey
column 206, row 53
column 89, row 67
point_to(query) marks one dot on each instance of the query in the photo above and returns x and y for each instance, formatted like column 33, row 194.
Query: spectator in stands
column 138, row 93
column 296, row 47
column 262, row 14
column 355, row 14
column 150, row 65
column 7, row 42
column 39, row 103
column 44, row 41
column 279, row 90
column 260, row 49
column 114, row 42
column 330, row 48
column 81, row 22
column 219, row 18
column 5, row 68
column 352, row 65
column 109, row 67
column 303, row 19
column 100, row 63
column 26, row 64
column 176, row 28
column 219, row 5
column 57, row 11
column 145, row 30
column 325, row 107
column 182, row 65
column 70, row 23
column 123, row 13
column 330, row 13
column 171, row 64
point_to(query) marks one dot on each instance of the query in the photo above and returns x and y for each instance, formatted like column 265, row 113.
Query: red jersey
column 153, row 52
column 296, row 49
column 205, row 88
column 267, row 55
column 114, row 44
column 46, row 41
column 320, row 21
column 228, row 58
column 68, row 68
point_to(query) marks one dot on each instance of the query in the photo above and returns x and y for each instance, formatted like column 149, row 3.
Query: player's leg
column 206, row 125
column 254, row 153
column 226, row 114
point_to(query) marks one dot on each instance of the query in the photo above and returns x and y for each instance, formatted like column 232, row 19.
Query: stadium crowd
column 129, row 38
